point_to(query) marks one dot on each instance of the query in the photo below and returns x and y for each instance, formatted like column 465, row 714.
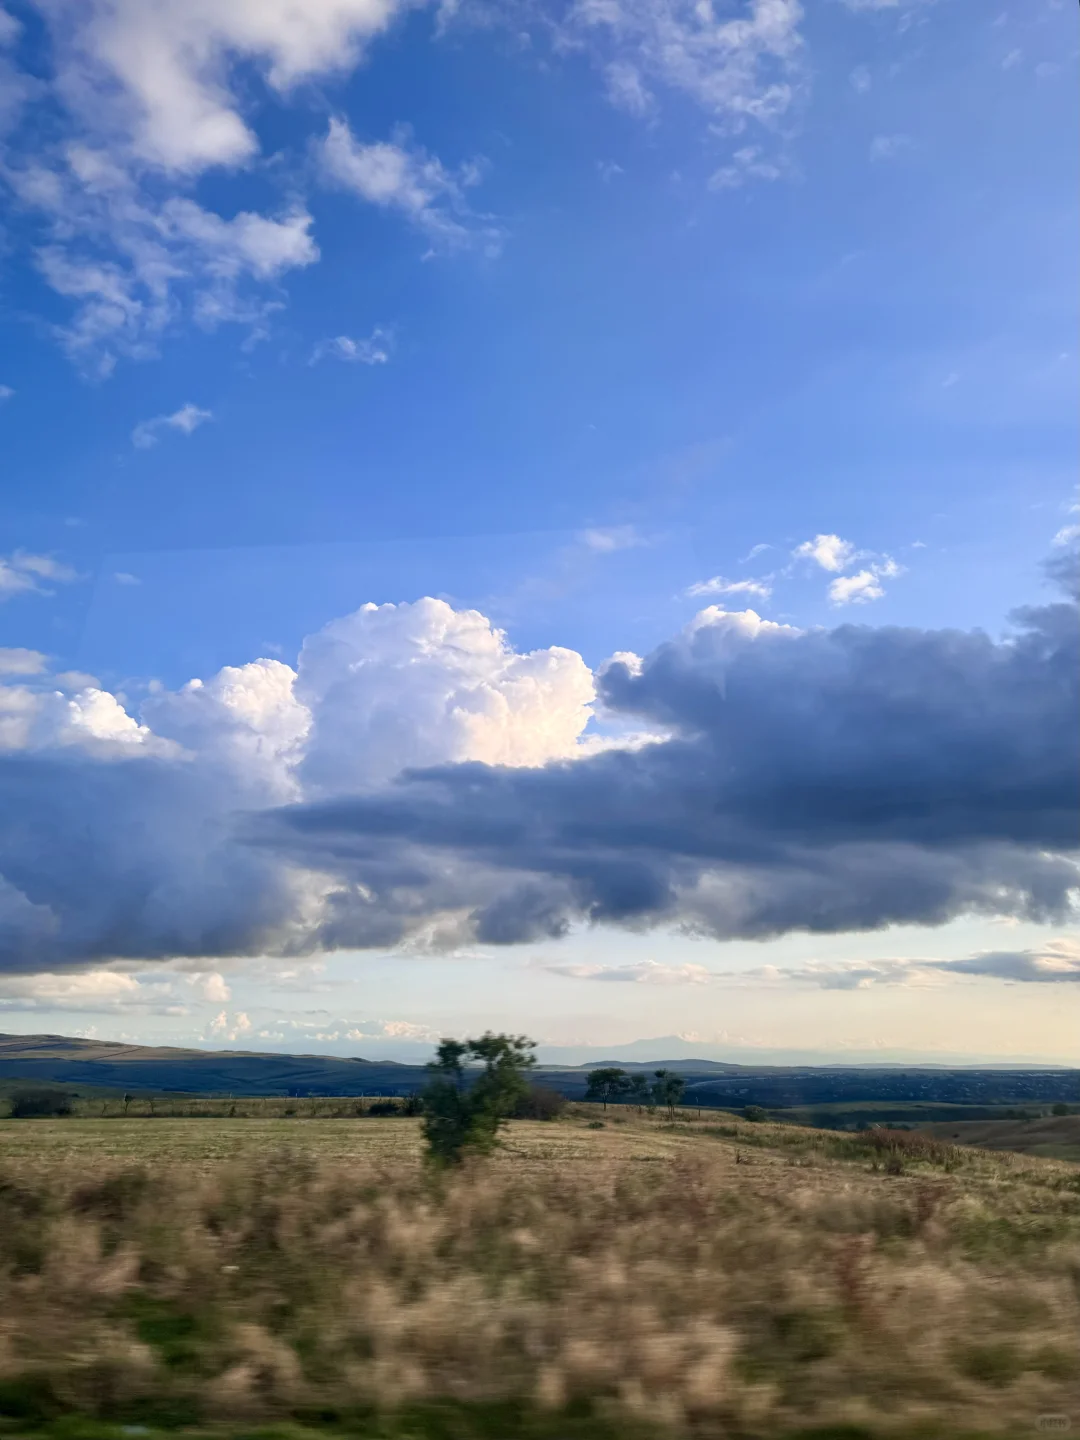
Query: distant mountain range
column 71, row 1061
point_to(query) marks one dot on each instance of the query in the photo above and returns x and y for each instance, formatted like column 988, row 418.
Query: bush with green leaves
column 462, row 1114
column 540, row 1102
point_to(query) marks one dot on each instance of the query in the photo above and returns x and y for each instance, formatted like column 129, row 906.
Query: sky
column 556, row 516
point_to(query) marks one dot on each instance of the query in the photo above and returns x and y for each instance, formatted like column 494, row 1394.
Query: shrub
column 754, row 1113
column 540, row 1102
column 384, row 1107
column 39, row 1103
column 1060, row 1108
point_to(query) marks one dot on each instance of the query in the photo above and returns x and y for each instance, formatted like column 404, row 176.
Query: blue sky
column 582, row 316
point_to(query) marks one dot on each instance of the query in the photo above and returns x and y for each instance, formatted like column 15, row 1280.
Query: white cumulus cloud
column 828, row 551
column 392, row 686
column 864, row 585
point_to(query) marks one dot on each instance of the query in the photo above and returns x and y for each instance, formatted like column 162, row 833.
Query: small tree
column 638, row 1092
column 462, row 1118
column 668, row 1089
column 607, row 1082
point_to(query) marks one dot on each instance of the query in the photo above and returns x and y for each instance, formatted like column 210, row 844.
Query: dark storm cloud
column 822, row 781
column 826, row 780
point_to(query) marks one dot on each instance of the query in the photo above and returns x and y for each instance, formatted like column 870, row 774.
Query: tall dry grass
column 689, row 1294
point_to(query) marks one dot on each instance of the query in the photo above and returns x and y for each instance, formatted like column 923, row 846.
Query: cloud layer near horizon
column 415, row 776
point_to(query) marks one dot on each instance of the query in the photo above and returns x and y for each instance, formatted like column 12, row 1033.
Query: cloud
column 861, row 79
column 874, row 798
column 187, row 420
column 162, row 76
column 6, row 392
column 415, row 776
column 16, row 661
column 124, row 577
column 397, row 175
column 134, row 264
column 139, row 101
column 226, row 1027
column 22, row 573
column 761, row 589
column 92, row 990
column 1057, row 962
column 887, row 147
column 865, row 585
column 212, row 987
column 375, row 350
column 642, row 972
column 835, row 555
column 403, row 686
column 828, row 551
column 748, row 163
column 613, row 537
column 737, row 67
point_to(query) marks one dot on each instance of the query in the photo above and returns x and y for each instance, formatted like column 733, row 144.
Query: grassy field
column 282, row 1277
column 1052, row 1137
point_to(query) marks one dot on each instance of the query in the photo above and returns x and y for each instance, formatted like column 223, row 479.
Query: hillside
column 1052, row 1137
column 233, row 1072
column 111, row 1065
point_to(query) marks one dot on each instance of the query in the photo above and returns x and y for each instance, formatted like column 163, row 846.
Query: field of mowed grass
column 601, row 1277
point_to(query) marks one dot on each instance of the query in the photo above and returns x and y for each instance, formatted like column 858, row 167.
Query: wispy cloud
column 137, row 102
column 759, row 589
column 749, row 162
column 741, row 67
column 24, row 573
column 187, row 420
column 398, row 175
column 1056, row 962
column 604, row 540
column 888, row 147
column 374, row 350
column 642, row 972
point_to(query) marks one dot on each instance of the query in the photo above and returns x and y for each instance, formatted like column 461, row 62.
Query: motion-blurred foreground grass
column 708, row 1279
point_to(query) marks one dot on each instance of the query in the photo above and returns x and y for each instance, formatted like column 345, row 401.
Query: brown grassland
column 711, row 1278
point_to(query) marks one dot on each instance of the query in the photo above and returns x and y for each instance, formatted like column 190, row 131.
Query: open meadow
column 600, row 1276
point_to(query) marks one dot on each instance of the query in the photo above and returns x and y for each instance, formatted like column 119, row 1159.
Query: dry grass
column 681, row 1280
